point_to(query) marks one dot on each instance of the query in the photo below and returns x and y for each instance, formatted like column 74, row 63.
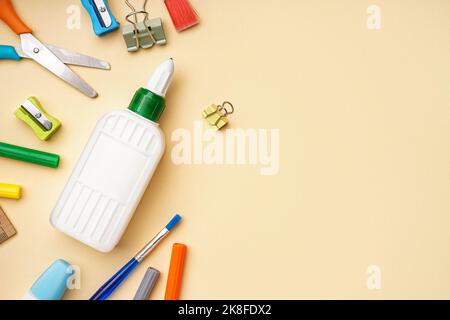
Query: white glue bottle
column 115, row 168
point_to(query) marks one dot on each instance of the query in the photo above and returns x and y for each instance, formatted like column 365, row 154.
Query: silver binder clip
column 142, row 34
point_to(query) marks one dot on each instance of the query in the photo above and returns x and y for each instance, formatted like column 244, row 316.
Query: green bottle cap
column 147, row 104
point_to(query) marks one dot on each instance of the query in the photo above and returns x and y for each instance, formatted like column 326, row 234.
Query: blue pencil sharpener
column 103, row 21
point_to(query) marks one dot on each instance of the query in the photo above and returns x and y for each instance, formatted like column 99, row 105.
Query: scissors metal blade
column 76, row 58
column 72, row 58
column 37, row 51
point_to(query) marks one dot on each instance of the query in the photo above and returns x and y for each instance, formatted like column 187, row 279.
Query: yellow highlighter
column 10, row 191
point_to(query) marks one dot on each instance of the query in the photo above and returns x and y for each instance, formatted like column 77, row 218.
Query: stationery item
column 182, row 13
column 10, row 191
column 147, row 284
column 52, row 284
column 102, row 19
column 115, row 168
column 175, row 272
column 116, row 280
column 7, row 230
column 66, row 56
column 142, row 34
column 217, row 115
column 29, row 155
column 33, row 114
column 52, row 58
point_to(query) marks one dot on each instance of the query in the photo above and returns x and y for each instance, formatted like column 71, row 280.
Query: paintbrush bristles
column 182, row 13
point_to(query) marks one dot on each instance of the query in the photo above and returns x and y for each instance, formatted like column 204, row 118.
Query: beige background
column 364, row 150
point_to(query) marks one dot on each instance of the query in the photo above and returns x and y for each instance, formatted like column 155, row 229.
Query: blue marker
column 116, row 280
column 103, row 21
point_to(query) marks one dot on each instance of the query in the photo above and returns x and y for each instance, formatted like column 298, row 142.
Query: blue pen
column 116, row 280
column 102, row 19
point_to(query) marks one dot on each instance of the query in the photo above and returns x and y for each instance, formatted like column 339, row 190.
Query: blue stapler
column 103, row 21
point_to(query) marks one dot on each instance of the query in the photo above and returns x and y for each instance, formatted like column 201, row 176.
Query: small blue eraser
column 173, row 222
column 52, row 284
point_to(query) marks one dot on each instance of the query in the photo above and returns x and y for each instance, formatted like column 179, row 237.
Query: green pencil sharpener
column 33, row 114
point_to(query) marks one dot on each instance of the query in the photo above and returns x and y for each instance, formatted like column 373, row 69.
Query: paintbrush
column 116, row 280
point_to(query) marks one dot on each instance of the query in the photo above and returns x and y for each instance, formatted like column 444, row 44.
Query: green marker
column 29, row 155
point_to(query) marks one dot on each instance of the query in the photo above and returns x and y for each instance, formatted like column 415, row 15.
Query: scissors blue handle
column 9, row 53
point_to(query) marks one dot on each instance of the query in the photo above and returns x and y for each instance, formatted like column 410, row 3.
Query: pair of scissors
column 50, row 57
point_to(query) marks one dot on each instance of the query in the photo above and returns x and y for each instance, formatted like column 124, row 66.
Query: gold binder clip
column 217, row 115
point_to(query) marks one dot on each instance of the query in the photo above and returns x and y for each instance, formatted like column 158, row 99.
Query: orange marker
column 175, row 271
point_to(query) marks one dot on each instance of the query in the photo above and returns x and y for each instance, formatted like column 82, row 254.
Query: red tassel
column 182, row 14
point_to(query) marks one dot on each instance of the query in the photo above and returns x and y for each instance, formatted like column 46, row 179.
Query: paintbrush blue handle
column 116, row 280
